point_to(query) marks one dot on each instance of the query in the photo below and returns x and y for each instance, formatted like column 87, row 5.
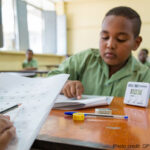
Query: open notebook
column 86, row 101
column 37, row 96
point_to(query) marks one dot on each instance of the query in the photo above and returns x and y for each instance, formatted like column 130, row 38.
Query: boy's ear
column 137, row 43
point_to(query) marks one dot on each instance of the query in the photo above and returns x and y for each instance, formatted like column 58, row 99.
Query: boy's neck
column 29, row 60
column 143, row 62
column 114, row 69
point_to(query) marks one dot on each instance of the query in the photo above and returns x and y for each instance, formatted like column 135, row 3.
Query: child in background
column 107, row 71
column 29, row 63
column 143, row 55
column 7, row 132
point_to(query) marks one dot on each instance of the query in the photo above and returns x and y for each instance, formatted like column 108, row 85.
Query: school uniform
column 147, row 64
column 30, row 64
column 89, row 68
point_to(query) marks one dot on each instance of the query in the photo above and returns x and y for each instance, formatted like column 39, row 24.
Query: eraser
column 103, row 111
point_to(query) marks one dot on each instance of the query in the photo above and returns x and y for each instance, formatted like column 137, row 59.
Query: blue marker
column 99, row 115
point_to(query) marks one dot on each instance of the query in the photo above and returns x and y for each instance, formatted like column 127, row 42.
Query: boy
column 29, row 63
column 143, row 54
column 7, row 132
column 107, row 71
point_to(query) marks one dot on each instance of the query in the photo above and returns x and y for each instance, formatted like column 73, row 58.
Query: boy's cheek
column 102, row 51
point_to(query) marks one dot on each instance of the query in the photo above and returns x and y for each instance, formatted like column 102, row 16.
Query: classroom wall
column 13, row 60
column 84, row 19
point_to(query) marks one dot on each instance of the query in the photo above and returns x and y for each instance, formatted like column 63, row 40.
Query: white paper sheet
column 37, row 96
column 65, row 103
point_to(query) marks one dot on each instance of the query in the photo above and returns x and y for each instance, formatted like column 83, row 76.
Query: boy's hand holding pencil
column 7, row 131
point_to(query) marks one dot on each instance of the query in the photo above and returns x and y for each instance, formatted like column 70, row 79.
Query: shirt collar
column 131, row 66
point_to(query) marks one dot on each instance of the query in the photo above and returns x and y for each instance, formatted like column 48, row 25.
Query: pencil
column 9, row 109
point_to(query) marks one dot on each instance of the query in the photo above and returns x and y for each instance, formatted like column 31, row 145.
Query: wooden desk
column 27, row 73
column 60, row 132
column 49, row 67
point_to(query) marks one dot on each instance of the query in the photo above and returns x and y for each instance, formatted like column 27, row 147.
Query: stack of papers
column 86, row 101
column 37, row 96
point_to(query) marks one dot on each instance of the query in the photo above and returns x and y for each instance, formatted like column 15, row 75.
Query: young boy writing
column 108, row 70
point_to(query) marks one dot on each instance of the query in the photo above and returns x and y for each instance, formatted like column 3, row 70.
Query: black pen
column 9, row 109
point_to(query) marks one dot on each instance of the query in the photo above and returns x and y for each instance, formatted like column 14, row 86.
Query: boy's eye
column 121, row 40
column 105, row 37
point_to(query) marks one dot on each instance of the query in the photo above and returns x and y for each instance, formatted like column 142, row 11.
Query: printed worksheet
column 36, row 96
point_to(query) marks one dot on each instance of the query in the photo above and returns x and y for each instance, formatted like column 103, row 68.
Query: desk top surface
column 119, row 133
column 26, row 73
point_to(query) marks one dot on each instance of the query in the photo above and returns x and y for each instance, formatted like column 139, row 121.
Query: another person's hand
column 7, row 131
column 73, row 89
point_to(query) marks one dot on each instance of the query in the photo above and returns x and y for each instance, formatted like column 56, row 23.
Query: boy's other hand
column 73, row 89
column 7, row 132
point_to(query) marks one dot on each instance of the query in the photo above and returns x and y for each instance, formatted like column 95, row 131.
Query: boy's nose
column 111, row 43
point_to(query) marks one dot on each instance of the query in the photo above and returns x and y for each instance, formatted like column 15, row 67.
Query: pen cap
column 125, row 117
column 70, row 113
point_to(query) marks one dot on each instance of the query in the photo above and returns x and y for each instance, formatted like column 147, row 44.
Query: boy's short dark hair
column 129, row 13
column 145, row 50
column 29, row 50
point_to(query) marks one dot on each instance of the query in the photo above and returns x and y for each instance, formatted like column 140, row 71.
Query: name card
column 137, row 93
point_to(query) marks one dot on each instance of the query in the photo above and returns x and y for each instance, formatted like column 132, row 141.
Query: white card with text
column 137, row 93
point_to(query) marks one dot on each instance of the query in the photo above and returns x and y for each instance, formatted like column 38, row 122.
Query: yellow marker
column 78, row 116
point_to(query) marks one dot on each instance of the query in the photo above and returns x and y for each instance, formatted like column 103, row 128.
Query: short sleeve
column 74, row 65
